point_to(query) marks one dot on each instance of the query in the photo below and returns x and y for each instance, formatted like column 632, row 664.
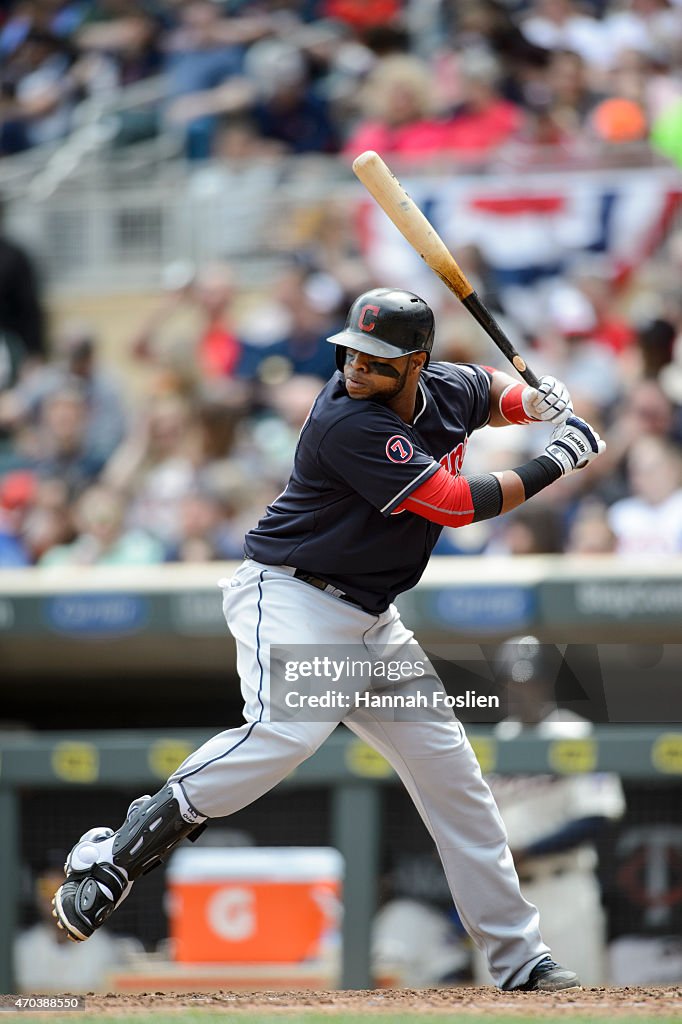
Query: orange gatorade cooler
column 255, row 904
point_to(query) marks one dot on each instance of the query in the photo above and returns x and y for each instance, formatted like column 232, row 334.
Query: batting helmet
column 386, row 322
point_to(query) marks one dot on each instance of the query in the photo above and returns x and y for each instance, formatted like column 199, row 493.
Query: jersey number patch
column 399, row 449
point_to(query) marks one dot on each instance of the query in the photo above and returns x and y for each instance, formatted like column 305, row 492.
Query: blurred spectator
column 102, row 538
column 154, row 470
column 306, row 304
column 483, row 119
column 655, row 341
column 241, row 500
column 208, row 294
column 590, row 533
column 569, row 346
column 388, row 40
column 611, row 328
column 203, row 54
column 273, row 433
column 399, row 108
column 571, row 95
column 21, row 312
column 324, row 237
column 48, row 521
column 228, row 204
column 651, row 27
column 17, row 491
column 360, row 14
column 46, row 960
column 61, row 17
column 629, row 77
column 287, row 109
column 56, row 445
column 553, row 820
column 337, row 62
column 39, row 92
column 535, row 530
column 218, row 347
column 670, row 380
column 124, row 31
column 488, row 24
column 216, row 428
column 205, row 533
column 222, row 488
column 644, row 411
column 647, row 410
column 417, row 937
column 650, row 522
column 16, row 24
column 76, row 364
column 563, row 25
column 206, row 46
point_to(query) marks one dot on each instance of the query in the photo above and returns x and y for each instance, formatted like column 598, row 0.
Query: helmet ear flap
column 340, row 357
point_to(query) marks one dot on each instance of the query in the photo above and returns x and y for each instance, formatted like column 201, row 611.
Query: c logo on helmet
column 363, row 323
column 399, row 449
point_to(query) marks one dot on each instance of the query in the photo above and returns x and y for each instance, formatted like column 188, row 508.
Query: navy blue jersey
column 356, row 461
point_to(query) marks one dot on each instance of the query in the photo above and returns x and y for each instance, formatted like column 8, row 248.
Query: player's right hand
column 574, row 445
column 550, row 401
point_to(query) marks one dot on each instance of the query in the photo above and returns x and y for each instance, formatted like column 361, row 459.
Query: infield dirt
column 589, row 1002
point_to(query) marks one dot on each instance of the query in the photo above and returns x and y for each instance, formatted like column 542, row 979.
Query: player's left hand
column 574, row 444
column 550, row 401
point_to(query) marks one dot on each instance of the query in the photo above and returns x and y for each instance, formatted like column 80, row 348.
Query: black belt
column 321, row 584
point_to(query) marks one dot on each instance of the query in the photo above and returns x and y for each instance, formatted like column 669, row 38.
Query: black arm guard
column 486, row 494
column 538, row 474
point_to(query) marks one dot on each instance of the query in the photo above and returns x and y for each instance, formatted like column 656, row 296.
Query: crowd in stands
column 172, row 451
column 94, row 471
column 418, row 79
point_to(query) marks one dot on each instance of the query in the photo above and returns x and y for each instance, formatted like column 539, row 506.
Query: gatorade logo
column 231, row 913
column 399, row 449
column 364, row 322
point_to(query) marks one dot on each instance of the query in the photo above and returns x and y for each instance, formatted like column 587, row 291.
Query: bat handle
column 480, row 313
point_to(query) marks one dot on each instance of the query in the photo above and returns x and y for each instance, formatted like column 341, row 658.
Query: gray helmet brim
column 371, row 346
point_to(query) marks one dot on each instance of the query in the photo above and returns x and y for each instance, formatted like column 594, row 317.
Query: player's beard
column 387, row 396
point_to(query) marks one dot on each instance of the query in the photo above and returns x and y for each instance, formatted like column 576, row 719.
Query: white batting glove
column 550, row 401
column 573, row 445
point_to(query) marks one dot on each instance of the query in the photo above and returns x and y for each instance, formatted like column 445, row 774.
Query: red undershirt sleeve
column 443, row 499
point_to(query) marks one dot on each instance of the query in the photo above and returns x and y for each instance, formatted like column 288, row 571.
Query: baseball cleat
column 86, row 899
column 548, row 976
column 60, row 925
column 102, row 866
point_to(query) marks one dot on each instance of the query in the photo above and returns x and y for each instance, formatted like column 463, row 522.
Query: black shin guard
column 152, row 831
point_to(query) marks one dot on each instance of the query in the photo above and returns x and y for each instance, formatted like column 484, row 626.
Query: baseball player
column 376, row 475
column 552, row 821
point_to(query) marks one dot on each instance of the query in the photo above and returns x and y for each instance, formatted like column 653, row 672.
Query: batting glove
column 573, row 445
column 550, row 401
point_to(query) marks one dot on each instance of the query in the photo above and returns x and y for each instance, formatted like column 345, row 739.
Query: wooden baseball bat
column 422, row 236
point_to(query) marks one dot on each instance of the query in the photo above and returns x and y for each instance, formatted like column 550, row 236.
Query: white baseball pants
column 265, row 606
